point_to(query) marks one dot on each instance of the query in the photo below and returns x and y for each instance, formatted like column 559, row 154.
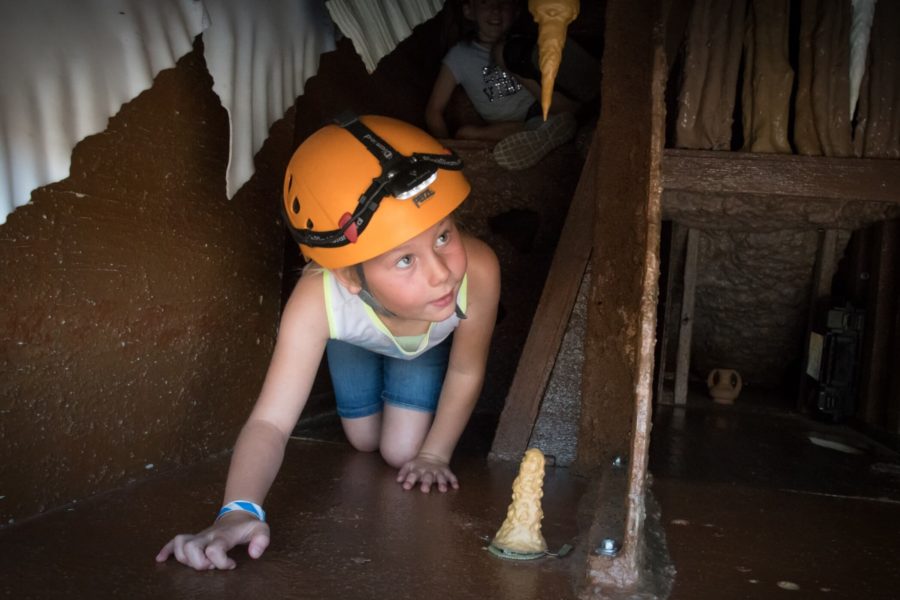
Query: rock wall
column 757, row 253
column 139, row 304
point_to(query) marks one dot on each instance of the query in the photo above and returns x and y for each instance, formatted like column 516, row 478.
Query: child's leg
column 402, row 433
column 363, row 433
column 357, row 376
column 411, row 392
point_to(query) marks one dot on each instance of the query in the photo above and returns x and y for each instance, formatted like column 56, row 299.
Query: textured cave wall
column 139, row 304
column 751, row 308
column 758, row 253
column 871, row 275
column 877, row 132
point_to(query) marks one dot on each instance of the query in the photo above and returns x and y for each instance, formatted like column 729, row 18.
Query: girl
column 370, row 202
column 507, row 101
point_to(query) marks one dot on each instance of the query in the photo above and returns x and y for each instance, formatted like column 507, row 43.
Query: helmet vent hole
column 290, row 182
column 309, row 224
column 296, row 206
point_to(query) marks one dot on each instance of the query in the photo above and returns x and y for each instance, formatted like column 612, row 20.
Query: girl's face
column 419, row 280
column 493, row 18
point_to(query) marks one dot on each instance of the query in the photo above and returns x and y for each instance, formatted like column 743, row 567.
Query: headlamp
column 402, row 177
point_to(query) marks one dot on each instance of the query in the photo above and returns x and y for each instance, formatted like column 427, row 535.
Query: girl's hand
column 208, row 549
column 427, row 470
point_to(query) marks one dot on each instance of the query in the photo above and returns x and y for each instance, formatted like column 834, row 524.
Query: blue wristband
column 244, row 506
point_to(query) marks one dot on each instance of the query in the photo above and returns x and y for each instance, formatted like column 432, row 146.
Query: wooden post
column 686, row 327
column 549, row 324
column 669, row 327
column 826, row 265
column 876, row 373
column 617, row 377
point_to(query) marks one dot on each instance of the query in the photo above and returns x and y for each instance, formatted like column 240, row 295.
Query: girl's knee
column 364, row 444
column 403, row 433
column 397, row 455
column 364, row 434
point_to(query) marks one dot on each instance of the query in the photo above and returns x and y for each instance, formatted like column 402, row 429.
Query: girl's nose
column 438, row 272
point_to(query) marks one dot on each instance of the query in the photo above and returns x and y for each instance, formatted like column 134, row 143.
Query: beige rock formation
column 553, row 18
column 520, row 535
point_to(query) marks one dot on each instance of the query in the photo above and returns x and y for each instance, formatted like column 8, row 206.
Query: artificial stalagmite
column 553, row 18
column 520, row 535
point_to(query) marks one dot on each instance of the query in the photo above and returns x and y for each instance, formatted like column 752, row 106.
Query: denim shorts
column 364, row 381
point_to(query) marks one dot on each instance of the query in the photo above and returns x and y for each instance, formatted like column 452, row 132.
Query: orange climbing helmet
column 357, row 188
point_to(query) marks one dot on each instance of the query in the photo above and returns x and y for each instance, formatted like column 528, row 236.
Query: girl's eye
column 405, row 262
column 443, row 239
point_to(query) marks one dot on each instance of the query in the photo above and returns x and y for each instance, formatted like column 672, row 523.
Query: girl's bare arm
column 468, row 358
column 260, row 446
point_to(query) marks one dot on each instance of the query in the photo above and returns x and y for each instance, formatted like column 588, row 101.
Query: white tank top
column 352, row 320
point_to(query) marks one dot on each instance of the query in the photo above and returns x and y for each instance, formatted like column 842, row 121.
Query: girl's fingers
column 195, row 556
column 426, row 476
column 216, row 553
column 259, row 541
column 410, row 480
column 258, row 544
column 166, row 552
column 178, row 549
column 427, row 481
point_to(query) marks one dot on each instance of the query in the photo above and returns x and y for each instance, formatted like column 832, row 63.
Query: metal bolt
column 618, row 462
column 608, row 547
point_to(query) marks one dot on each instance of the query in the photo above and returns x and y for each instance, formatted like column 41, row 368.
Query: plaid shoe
column 526, row 148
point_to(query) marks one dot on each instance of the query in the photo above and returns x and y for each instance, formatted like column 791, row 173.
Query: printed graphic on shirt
column 498, row 83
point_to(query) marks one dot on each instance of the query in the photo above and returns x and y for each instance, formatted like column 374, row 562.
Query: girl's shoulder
column 307, row 300
column 465, row 47
column 310, row 279
column 476, row 247
column 483, row 266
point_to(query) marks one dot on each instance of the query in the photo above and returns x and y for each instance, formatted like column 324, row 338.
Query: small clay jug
column 724, row 385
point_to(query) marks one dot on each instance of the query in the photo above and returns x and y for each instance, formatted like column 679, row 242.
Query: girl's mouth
column 443, row 301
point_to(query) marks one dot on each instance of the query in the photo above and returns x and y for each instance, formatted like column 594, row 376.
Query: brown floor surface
column 342, row 528
column 750, row 509
column 753, row 509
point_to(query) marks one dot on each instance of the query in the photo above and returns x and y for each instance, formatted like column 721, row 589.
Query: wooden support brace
column 617, row 377
column 826, row 264
column 551, row 317
column 672, row 306
column 782, row 175
column 878, row 370
column 686, row 327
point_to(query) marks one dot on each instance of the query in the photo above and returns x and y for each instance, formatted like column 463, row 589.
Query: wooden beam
column 823, row 273
column 551, row 318
column 669, row 327
column 686, row 327
column 881, row 308
column 617, row 377
column 814, row 177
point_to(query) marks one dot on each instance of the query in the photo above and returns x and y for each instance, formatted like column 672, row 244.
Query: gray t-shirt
column 496, row 94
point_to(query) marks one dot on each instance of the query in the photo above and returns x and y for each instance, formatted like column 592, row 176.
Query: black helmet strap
column 400, row 177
